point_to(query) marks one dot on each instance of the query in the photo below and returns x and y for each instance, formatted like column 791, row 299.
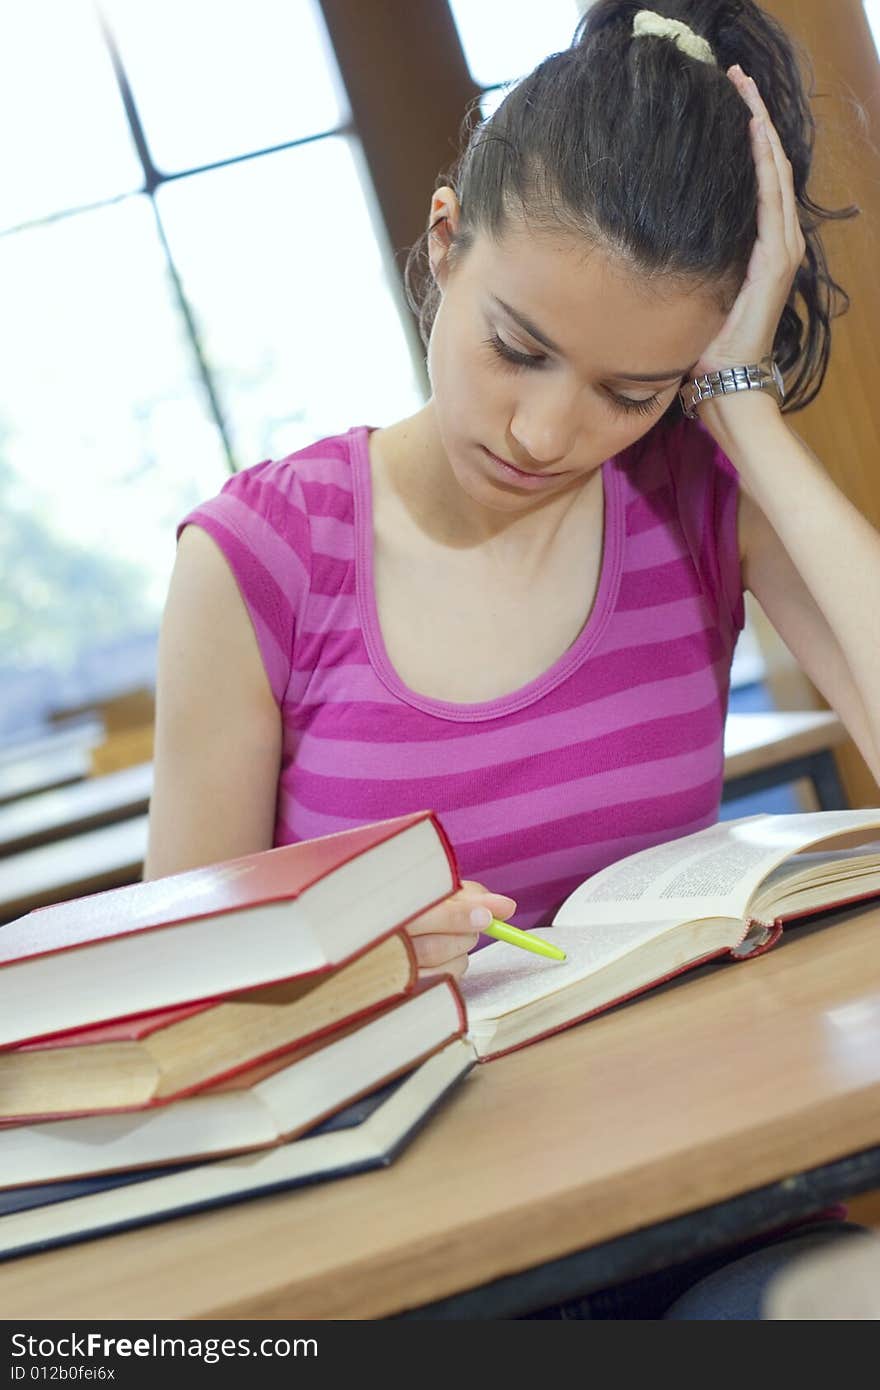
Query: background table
column 766, row 750
column 53, row 761
column 59, row 814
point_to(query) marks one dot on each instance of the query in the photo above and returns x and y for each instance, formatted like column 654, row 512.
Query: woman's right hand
column 444, row 934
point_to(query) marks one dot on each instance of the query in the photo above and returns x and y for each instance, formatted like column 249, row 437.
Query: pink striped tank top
column 619, row 745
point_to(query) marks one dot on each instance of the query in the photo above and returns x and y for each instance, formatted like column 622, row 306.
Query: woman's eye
column 626, row 404
column 510, row 356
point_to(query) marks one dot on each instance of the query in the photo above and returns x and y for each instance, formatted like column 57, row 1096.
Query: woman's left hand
column 749, row 330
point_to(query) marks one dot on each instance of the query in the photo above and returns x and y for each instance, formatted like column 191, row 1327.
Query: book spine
column 775, row 928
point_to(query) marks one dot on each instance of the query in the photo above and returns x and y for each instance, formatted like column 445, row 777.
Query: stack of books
column 223, row 1032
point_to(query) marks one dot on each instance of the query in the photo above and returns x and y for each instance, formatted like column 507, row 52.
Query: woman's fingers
column 444, row 934
column 439, row 950
column 456, row 968
column 454, row 915
column 778, row 192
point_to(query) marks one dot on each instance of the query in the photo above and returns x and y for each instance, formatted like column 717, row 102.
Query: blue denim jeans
column 727, row 1285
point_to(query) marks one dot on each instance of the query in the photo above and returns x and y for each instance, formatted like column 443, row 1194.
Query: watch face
column 777, row 377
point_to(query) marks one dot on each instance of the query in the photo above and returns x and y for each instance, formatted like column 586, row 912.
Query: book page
column 712, row 873
column 501, row 978
column 809, row 880
column 847, row 861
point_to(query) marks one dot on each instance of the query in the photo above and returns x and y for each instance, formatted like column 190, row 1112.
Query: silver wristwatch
column 759, row 376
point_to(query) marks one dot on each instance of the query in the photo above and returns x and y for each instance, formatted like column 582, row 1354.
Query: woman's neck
column 410, row 463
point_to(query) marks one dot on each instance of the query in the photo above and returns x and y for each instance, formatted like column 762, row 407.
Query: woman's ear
column 442, row 226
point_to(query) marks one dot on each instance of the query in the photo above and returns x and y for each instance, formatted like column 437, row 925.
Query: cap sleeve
column 706, row 488
column 260, row 522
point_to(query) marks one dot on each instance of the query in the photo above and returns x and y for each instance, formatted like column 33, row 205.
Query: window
column 505, row 39
column 193, row 278
column 872, row 10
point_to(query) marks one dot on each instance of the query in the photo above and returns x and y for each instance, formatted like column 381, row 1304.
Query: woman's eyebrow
column 527, row 324
column 546, row 342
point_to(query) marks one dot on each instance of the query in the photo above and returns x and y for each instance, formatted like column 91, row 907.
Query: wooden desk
column 32, row 821
column 547, row 1164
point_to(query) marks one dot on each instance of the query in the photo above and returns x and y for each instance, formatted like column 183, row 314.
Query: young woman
column 519, row 605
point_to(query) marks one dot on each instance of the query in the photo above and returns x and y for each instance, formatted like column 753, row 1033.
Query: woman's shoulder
column 301, row 481
column 264, row 520
column 273, row 509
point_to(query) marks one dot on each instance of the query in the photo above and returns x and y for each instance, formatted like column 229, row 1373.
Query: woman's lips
column 514, row 474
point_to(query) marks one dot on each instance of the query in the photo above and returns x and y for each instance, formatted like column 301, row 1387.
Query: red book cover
column 193, row 938
column 272, row 875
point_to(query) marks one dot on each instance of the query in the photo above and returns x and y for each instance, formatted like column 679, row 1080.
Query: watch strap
column 757, row 376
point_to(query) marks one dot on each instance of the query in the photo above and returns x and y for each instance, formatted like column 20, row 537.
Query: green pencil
column 514, row 937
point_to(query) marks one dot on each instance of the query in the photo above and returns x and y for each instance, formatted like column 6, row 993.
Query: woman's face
column 582, row 332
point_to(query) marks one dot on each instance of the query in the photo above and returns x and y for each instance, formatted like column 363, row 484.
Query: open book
column 726, row 890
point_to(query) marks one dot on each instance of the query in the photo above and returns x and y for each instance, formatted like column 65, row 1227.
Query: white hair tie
column 647, row 22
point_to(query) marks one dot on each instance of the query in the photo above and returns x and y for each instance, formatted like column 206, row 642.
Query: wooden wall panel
column 843, row 425
column 409, row 88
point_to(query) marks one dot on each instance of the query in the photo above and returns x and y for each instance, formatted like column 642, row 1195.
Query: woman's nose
column 545, row 428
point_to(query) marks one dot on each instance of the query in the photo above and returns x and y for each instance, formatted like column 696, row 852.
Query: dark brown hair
column 635, row 146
